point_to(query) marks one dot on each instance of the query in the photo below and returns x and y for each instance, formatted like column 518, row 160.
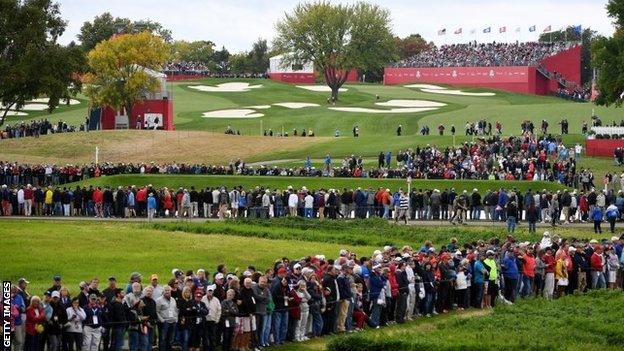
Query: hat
column 112, row 279
column 377, row 266
column 572, row 249
column 92, row 297
column 135, row 275
column 56, row 294
column 218, row 276
column 246, row 274
column 398, row 259
column 593, row 241
column 296, row 266
column 154, row 276
column 489, row 252
column 614, row 238
column 176, row 272
column 282, row 270
column 56, row 278
column 23, row 280
column 211, row 287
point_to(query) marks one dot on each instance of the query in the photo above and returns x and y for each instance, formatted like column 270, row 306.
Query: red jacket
column 98, row 196
column 32, row 320
column 596, row 262
column 528, row 269
column 549, row 260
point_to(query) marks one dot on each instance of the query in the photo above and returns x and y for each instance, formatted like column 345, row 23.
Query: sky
column 236, row 24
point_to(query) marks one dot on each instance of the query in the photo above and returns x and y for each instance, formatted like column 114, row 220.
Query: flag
column 578, row 29
column 487, row 30
column 518, row 29
column 442, row 31
column 458, row 31
column 473, row 31
column 532, row 28
column 502, row 29
column 548, row 29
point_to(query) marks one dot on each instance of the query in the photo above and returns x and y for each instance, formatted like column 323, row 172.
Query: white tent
column 277, row 65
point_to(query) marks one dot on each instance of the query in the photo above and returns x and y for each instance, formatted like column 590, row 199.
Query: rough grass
column 144, row 146
column 312, row 183
column 81, row 250
column 580, row 322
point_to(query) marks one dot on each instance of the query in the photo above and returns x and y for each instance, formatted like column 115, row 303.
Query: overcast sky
column 238, row 23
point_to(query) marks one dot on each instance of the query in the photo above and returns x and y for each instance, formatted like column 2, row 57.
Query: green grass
column 82, row 250
column 370, row 232
column 248, row 182
column 580, row 322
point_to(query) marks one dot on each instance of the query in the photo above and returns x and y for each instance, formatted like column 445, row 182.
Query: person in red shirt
column 35, row 317
column 597, row 266
column 549, row 281
column 98, row 200
column 528, row 273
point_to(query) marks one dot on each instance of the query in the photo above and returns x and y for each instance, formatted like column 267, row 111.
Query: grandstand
column 530, row 68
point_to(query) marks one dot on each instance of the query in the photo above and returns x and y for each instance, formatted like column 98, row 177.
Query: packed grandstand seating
column 184, row 67
column 476, row 54
column 574, row 94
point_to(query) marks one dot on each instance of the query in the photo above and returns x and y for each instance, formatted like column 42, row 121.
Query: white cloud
column 238, row 23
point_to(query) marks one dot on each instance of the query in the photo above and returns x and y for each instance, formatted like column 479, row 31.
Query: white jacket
column 214, row 309
column 75, row 319
column 167, row 310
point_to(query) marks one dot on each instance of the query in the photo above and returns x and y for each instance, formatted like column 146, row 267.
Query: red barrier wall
column 164, row 107
column 514, row 79
column 175, row 77
column 567, row 62
column 297, row 78
column 602, row 147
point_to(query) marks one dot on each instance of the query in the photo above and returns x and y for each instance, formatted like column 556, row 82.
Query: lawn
column 82, row 250
column 248, row 182
column 580, row 322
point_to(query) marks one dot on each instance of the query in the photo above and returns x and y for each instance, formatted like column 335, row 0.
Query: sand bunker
column 61, row 102
column 233, row 113
column 296, row 105
column 260, row 107
column 233, row 87
column 319, row 88
column 424, row 86
column 372, row 110
column 454, row 92
column 410, row 103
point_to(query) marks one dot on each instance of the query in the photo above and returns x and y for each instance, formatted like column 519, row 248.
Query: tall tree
column 119, row 75
column 31, row 61
column 336, row 38
column 259, row 56
column 105, row 26
column 222, row 60
column 607, row 58
column 241, row 63
column 585, row 37
column 411, row 45
column 194, row 51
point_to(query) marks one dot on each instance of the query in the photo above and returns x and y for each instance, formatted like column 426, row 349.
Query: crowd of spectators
column 312, row 296
column 35, row 128
column 185, row 67
column 476, row 54
column 578, row 94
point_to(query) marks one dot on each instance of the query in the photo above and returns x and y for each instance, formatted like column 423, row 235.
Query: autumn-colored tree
column 119, row 67
column 336, row 38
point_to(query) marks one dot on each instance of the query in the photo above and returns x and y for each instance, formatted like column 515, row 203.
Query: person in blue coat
column 511, row 275
column 596, row 216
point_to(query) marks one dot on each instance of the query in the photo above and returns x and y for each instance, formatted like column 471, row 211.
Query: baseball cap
column 154, row 276
column 218, row 276
column 211, row 287
column 56, row 278
column 93, row 297
column 23, row 280
column 56, row 294
column 112, row 279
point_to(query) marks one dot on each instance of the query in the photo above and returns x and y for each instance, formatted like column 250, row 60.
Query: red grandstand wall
column 567, row 62
column 296, row 78
column 602, row 147
column 162, row 107
column 514, row 79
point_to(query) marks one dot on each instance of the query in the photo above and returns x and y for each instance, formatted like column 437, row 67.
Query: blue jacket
column 377, row 283
column 151, row 203
column 511, row 267
column 596, row 214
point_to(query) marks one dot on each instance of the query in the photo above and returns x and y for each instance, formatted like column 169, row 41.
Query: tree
column 411, row 45
column 221, row 59
column 194, row 51
column 259, row 57
column 119, row 66
column 241, row 63
column 336, row 39
column 105, row 26
column 31, row 62
column 585, row 37
column 607, row 58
